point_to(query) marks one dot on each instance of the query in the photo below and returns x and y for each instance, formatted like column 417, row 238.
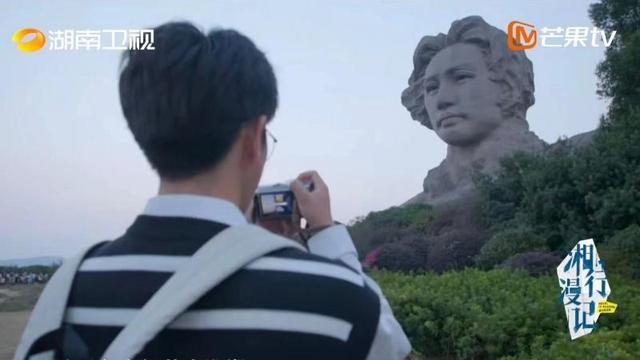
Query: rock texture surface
column 474, row 92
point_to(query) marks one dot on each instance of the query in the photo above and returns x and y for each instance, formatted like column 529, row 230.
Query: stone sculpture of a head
column 468, row 82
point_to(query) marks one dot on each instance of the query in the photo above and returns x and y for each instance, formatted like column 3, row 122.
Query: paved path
column 10, row 331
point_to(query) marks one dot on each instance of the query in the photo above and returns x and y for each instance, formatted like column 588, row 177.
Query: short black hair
column 186, row 101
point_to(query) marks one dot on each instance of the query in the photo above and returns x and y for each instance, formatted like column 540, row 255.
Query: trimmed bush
column 626, row 244
column 475, row 314
column 387, row 226
column 508, row 242
column 534, row 262
column 454, row 249
column 408, row 254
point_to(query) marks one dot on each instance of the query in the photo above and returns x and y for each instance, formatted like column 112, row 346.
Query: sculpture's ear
column 506, row 91
column 506, row 97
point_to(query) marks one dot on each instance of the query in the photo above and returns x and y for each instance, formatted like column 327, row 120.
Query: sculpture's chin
column 465, row 133
column 458, row 138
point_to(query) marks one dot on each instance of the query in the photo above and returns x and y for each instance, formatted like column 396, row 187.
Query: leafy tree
column 619, row 73
column 567, row 194
column 538, row 192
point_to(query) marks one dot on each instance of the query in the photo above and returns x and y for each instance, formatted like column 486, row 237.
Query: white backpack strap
column 220, row 257
column 48, row 314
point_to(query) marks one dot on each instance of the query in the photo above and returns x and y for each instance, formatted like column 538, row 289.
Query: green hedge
column 508, row 242
column 475, row 314
column 386, row 226
column 625, row 247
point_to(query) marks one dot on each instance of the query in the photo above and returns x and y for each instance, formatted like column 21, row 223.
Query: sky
column 71, row 173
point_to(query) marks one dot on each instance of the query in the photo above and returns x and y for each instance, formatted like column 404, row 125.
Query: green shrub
column 607, row 344
column 534, row 262
column 409, row 253
column 626, row 244
column 507, row 243
column 471, row 313
column 387, row 226
column 454, row 249
column 474, row 314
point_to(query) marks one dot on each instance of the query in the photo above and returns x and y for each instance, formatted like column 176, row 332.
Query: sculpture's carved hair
column 511, row 69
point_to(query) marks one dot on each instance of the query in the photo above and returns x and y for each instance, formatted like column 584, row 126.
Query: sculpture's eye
column 431, row 88
column 462, row 77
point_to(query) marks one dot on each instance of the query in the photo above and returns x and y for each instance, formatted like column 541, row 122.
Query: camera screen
column 280, row 203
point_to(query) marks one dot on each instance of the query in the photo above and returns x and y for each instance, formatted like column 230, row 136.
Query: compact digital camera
column 275, row 201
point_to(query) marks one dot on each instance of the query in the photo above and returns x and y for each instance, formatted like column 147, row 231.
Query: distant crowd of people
column 10, row 278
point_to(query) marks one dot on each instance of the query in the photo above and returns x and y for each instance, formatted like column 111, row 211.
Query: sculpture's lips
column 447, row 116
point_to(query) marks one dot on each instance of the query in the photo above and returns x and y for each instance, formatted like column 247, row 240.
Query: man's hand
column 314, row 205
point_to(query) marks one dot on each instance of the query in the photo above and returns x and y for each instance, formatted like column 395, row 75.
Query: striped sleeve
column 390, row 341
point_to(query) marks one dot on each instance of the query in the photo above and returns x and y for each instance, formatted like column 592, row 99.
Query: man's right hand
column 314, row 205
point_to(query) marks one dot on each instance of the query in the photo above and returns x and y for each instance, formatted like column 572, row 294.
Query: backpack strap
column 227, row 252
column 42, row 332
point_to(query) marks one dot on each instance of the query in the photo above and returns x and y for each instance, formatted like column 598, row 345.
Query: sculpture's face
column 461, row 100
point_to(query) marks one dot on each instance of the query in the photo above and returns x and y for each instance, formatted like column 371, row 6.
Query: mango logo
column 521, row 36
column 34, row 44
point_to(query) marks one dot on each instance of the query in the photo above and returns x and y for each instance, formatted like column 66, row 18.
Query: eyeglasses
column 271, row 142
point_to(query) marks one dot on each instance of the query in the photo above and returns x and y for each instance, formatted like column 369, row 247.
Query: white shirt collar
column 195, row 206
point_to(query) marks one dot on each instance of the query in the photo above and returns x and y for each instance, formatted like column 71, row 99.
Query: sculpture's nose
column 445, row 96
